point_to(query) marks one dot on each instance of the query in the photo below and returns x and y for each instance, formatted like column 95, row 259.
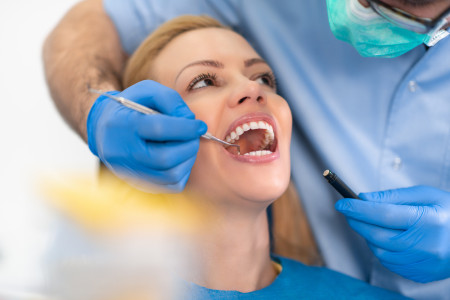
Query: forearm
column 83, row 50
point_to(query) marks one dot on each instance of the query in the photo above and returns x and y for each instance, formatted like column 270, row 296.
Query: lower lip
column 254, row 158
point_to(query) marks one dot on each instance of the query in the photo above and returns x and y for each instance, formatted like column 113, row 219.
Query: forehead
column 207, row 43
column 216, row 40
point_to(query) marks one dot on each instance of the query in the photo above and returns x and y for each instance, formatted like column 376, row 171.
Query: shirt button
column 412, row 86
column 397, row 163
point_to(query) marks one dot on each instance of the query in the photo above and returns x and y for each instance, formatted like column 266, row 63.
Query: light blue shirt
column 378, row 123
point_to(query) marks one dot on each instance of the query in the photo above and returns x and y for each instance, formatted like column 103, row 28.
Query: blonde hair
column 139, row 66
column 291, row 234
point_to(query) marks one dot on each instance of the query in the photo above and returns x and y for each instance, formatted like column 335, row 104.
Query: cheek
column 208, row 111
column 284, row 117
column 287, row 118
column 200, row 169
column 203, row 175
column 283, row 114
column 285, row 131
column 208, row 173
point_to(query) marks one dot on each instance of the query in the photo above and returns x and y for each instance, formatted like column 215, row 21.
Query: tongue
column 251, row 140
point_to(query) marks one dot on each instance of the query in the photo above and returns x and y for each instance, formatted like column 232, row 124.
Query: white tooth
column 233, row 135
column 253, row 125
column 253, row 153
column 239, row 130
column 247, row 153
column 270, row 128
column 228, row 139
column 246, row 127
column 259, row 153
column 261, row 125
column 237, row 137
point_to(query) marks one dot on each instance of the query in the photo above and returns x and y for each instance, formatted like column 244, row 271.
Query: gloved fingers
column 416, row 195
column 395, row 257
column 170, row 177
column 162, row 156
column 412, row 272
column 384, row 238
column 158, row 97
column 166, row 128
column 154, row 188
column 97, row 110
column 179, row 186
column 381, row 214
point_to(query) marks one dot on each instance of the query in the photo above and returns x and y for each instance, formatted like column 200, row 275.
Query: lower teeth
column 259, row 153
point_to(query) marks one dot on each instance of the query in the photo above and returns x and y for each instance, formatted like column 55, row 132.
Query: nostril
column 242, row 100
column 259, row 99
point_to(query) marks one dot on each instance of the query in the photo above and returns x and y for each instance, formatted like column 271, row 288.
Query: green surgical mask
column 371, row 34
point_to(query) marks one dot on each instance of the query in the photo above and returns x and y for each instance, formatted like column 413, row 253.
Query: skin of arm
column 82, row 50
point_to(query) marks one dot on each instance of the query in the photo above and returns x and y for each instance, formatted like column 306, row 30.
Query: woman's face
column 226, row 84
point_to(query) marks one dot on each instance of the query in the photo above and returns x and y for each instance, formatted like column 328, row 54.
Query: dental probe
column 339, row 185
column 148, row 111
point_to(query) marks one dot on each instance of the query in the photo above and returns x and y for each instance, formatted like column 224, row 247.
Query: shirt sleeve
column 135, row 19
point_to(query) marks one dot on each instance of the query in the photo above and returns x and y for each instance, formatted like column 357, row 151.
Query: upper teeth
column 238, row 131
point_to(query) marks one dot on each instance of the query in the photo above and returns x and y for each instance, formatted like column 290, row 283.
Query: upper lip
column 258, row 116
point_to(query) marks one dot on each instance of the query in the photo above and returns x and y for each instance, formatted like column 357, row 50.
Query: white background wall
column 35, row 141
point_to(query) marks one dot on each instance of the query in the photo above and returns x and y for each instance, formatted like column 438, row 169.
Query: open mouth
column 255, row 138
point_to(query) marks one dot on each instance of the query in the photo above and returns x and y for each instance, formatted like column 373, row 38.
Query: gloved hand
column 158, row 149
column 407, row 229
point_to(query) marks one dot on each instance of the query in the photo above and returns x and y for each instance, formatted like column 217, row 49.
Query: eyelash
column 272, row 80
column 212, row 76
column 201, row 77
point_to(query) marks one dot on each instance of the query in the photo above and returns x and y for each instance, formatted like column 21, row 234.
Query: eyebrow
column 252, row 61
column 208, row 63
column 217, row 64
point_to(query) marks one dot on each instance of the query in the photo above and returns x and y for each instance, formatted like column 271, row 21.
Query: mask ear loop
column 438, row 32
column 436, row 37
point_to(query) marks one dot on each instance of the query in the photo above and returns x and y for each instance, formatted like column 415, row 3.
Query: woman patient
column 230, row 87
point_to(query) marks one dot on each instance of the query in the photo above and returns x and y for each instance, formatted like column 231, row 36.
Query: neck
column 234, row 252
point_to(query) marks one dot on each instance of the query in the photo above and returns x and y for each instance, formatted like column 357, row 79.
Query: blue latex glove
column 407, row 229
column 156, row 149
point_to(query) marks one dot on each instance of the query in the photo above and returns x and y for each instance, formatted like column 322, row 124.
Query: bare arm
column 83, row 49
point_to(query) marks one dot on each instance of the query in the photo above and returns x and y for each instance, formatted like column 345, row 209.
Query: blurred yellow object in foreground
column 117, row 242
column 112, row 205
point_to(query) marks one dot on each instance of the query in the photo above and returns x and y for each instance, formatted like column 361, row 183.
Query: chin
column 267, row 190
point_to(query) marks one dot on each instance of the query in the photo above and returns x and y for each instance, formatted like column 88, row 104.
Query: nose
column 249, row 91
